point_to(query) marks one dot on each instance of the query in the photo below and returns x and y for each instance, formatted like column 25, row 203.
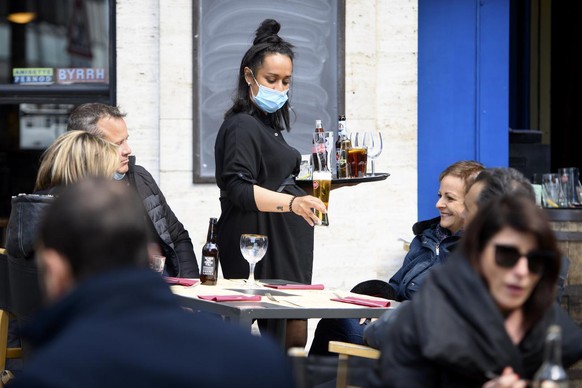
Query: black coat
column 172, row 236
column 248, row 151
column 125, row 328
column 452, row 334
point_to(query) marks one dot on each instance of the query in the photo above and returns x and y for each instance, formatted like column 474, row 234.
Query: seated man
column 114, row 322
column 173, row 240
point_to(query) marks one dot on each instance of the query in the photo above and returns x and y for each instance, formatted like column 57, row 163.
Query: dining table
column 276, row 300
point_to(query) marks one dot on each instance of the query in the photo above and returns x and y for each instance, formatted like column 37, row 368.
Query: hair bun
column 267, row 32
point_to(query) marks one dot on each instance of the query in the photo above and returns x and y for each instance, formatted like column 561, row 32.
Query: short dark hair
column 266, row 42
column 520, row 213
column 500, row 181
column 98, row 225
column 86, row 116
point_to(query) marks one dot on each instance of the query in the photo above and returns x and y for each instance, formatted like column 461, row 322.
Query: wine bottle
column 551, row 373
column 210, row 257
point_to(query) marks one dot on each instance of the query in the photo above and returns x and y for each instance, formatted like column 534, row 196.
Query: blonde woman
column 73, row 156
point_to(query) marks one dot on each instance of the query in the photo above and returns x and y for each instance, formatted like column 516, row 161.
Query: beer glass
column 321, row 190
column 253, row 247
column 357, row 156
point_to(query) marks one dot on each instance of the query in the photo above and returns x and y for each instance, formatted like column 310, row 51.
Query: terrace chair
column 345, row 351
column 5, row 351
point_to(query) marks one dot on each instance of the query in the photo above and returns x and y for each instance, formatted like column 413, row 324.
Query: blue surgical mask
column 269, row 100
column 118, row 176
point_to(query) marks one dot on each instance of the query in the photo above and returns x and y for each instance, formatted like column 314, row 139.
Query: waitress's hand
column 304, row 206
column 508, row 379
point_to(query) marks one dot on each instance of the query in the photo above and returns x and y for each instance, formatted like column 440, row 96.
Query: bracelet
column 291, row 204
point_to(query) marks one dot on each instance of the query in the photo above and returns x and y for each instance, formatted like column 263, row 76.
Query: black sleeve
column 182, row 243
column 240, row 152
column 147, row 187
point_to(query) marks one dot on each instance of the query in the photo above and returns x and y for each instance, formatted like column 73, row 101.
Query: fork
column 272, row 298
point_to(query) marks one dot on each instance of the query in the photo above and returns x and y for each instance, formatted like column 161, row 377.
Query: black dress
column 249, row 151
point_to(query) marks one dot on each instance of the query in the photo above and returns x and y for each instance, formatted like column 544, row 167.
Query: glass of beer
column 321, row 190
column 357, row 161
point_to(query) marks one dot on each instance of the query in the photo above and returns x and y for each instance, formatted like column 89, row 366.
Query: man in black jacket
column 173, row 240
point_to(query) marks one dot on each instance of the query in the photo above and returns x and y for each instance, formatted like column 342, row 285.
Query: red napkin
column 363, row 301
column 181, row 281
column 231, row 298
column 296, row 286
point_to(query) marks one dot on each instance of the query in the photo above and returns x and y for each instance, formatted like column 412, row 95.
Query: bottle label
column 208, row 265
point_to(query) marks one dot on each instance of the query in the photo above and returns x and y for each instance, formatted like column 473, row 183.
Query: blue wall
column 463, row 89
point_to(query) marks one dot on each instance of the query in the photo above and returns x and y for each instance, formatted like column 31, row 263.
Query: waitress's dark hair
column 518, row 212
column 266, row 42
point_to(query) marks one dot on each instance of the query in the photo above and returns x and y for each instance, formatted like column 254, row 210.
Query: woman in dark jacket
column 434, row 240
column 486, row 311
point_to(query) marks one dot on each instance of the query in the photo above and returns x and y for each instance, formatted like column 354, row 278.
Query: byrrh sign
column 81, row 75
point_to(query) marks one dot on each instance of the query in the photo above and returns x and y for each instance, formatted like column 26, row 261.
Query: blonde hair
column 73, row 156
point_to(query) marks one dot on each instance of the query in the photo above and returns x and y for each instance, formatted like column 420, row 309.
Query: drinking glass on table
column 157, row 263
column 374, row 146
column 253, row 247
column 552, row 194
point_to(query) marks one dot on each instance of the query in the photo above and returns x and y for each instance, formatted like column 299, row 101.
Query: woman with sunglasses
column 480, row 319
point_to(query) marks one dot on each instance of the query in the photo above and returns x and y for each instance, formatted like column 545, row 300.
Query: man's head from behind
column 106, row 122
column 492, row 183
column 92, row 227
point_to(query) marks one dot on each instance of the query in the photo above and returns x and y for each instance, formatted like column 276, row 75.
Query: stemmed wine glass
column 253, row 247
column 374, row 147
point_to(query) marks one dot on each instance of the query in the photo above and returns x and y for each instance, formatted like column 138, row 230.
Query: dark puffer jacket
column 174, row 239
column 21, row 235
column 452, row 334
column 426, row 250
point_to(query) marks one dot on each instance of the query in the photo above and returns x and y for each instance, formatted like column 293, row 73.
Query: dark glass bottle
column 341, row 148
column 210, row 257
column 551, row 373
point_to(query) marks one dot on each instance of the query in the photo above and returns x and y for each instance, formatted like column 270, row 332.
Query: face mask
column 269, row 100
column 118, row 176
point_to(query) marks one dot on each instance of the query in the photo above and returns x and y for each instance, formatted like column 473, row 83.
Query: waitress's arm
column 274, row 202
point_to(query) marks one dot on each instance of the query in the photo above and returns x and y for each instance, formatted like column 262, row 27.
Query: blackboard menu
column 226, row 29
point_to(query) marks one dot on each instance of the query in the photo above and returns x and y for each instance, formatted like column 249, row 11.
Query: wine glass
column 253, row 247
column 374, row 147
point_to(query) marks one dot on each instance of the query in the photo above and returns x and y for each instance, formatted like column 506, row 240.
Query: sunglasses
column 507, row 256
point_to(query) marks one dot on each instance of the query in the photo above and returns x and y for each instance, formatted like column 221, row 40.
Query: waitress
column 255, row 169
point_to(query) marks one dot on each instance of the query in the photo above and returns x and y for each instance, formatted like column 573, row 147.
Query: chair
column 5, row 351
column 345, row 350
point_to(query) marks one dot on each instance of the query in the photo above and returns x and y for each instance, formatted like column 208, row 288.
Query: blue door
column 463, row 89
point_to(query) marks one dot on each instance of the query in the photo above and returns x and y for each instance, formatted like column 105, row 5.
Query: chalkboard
column 225, row 29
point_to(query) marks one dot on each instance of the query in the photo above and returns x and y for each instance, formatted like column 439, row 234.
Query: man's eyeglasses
column 507, row 256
